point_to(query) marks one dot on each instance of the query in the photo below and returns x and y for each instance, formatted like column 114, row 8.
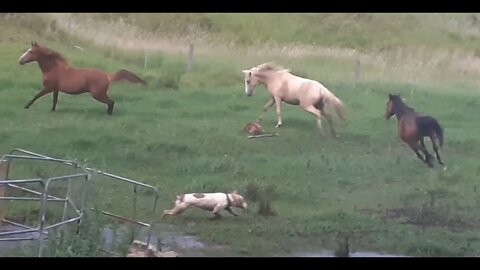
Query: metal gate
column 87, row 181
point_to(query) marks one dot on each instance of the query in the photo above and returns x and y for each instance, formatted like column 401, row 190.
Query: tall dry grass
column 413, row 62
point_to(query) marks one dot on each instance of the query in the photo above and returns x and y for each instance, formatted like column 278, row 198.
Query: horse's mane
column 58, row 56
column 270, row 67
column 398, row 102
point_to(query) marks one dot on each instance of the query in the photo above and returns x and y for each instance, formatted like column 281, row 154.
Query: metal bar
column 152, row 220
column 18, row 232
column 43, row 157
column 66, row 201
column 262, row 135
column 62, row 223
column 10, row 157
column 31, row 153
column 84, row 199
column 21, row 225
column 28, row 199
column 89, row 169
column 4, row 167
column 32, row 191
column 134, row 210
column 63, row 177
column 17, row 239
column 17, row 224
column 122, row 218
column 41, row 221
column 27, row 152
column 135, row 202
column 45, row 197
column 73, row 207
column 21, row 181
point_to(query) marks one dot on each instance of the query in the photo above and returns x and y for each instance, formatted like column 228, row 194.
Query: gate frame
column 41, row 229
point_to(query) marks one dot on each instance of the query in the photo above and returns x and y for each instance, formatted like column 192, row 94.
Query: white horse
column 311, row 95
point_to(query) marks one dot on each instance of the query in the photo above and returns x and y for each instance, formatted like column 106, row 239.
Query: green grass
column 182, row 133
column 367, row 31
column 190, row 140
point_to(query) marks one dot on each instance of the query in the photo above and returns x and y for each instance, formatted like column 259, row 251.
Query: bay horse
column 284, row 86
column 413, row 127
column 59, row 76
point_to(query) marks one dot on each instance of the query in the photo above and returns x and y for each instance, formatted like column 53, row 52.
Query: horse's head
column 34, row 53
column 250, row 81
column 390, row 111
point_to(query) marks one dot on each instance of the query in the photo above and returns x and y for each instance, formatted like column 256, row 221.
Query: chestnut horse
column 58, row 76
column 413, row 127
column 283, row 86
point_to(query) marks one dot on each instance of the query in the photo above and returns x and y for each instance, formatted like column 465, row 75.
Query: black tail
column 427, row 124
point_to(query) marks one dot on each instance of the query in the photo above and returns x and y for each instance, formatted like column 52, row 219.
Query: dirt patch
column 141, row 249
column 428, row 218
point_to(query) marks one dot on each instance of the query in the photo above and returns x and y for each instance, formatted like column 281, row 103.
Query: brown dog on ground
column 253, row 128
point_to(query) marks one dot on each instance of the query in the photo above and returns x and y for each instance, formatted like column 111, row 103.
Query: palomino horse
column 283, row 86
column 413, row 127
column 58, row 76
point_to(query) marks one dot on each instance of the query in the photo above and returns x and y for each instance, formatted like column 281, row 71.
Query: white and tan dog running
column 214, row 202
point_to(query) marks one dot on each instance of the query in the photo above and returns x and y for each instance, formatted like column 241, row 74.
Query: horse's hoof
column 278, row 125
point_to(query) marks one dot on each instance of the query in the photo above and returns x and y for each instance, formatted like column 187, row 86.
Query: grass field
column 182, row 133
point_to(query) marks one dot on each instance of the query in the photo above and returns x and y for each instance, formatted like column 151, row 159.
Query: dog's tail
column 124, row 74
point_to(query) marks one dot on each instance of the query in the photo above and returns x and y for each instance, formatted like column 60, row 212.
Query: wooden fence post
column 190, row 57
column 357, row 74
column 146, row 60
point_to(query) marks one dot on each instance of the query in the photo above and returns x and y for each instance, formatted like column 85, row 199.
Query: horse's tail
column 337, row 104
column 124, row 74
column 428, row 123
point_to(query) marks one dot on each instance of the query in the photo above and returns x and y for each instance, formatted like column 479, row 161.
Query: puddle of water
column 12, row 245
column 182, row 241
column 167, row 240
column 326, row 253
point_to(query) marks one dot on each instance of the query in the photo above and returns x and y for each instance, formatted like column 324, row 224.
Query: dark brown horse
column 413, row 127
column 58, row 76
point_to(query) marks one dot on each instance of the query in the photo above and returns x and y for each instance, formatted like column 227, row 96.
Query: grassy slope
column 189, row 139
column 358, row 31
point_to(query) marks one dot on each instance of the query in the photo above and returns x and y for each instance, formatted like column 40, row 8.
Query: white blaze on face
column 24, row 54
